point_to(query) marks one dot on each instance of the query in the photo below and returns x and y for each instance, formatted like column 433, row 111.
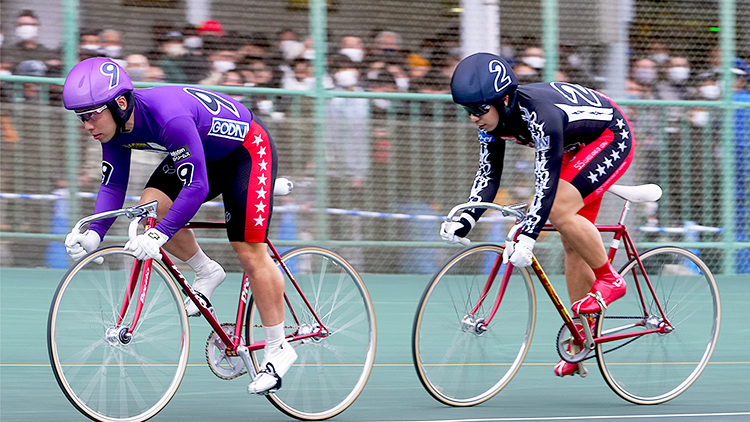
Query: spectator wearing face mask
column 353, row 48
column 348, row 151
column 136, row 66
column 89, row 44
column 534, row 58
column 676, row 86
column 27, row 46
column 177, row 62
column 221, row 55
column 111, row 45
column 527, row 74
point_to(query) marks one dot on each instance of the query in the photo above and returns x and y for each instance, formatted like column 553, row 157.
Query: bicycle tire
column 455, row 364
column 330, row 372
column 104, row 378
column 655, row 368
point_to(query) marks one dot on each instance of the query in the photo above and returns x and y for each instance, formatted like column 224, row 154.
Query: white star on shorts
column 259, row 221
column 262, row 151
column 258, row 140
column 260, row 207
column 262, row 179
column 261, row 193
column 594, row 178
column 620, row 124
column 263, row 164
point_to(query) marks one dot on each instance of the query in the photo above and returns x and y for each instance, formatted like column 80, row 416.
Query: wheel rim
column 105, row 375
column 654, row 368
column 330, row 372
column 460, row 361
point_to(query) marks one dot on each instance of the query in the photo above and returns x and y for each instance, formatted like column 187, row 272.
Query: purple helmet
column 98, row 81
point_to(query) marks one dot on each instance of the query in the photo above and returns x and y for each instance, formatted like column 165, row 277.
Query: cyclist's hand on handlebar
column 454, row 231
column 519, row 252
column 147, row 245
column 78, row 244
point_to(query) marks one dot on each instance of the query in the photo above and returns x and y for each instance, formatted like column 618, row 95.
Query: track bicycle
column 118, row 334
column 475, row 320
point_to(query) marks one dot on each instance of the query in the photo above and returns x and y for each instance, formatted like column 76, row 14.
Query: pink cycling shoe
column 608, row 287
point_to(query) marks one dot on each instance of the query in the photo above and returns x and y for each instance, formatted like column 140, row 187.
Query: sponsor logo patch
column 229, row 129
column 180, row 154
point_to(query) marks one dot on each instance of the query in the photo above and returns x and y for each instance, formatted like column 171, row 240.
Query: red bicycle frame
column 231, row 343
column 621, row 234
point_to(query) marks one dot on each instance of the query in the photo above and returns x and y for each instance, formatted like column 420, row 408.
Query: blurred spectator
column 386, row 42
column 233, row 78
column 677, row 86
column 159, row 31
column 302, row 76
column 527, row 74
column 645, row 74
column 111, row 44
column 289, row 45
column 383, row 82
column 136, row 66
column 210, row 28
column 31, row 68
column 534, row 58
column 191, row 40
column 154, row 74
column 255, row 44
column 255, row 72
column 418, row 66
column 352, row 47
column 742, row 169
column 27, row 46
column 172, row 49
column 348, row 152
column 388, row 63
column 658, row 52
column 221, row 56
column 88, row 44
column 432, row 82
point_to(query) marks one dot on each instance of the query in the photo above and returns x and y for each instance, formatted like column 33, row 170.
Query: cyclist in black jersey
column 583, row 144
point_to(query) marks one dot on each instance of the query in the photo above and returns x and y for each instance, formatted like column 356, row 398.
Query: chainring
column 223, row 366
column 564, row 338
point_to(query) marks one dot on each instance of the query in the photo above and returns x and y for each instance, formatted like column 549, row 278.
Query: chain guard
column 223, row 366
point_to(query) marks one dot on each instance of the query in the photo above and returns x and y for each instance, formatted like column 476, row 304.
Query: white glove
column 519, row 253
column 78, row 244
column 147, row 245
column 454, row 232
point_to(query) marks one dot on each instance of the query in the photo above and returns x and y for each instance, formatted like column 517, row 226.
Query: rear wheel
column 331, row 369
column 654, row 368
column 106, row 375
column 460, row 360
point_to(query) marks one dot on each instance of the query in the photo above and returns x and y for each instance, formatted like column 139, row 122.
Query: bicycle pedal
column 582, row 371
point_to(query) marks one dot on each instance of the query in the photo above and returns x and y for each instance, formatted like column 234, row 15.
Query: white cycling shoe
column 275, row 364
column 214, row 276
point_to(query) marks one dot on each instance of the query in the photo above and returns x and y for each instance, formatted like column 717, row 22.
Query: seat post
column 624, row 214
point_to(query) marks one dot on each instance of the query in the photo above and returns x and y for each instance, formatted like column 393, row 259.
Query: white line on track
column 579, row 418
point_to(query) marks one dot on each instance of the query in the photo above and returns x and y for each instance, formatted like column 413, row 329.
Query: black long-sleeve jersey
column 554, row 118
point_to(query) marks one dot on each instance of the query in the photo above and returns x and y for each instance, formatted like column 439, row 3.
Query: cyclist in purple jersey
column 583, row 144
column 213, row 145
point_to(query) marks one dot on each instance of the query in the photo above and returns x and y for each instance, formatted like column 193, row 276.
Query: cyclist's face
column 487, row 121
column 101, row 126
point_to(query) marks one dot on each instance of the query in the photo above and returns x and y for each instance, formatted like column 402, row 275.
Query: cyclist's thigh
column 248, row 198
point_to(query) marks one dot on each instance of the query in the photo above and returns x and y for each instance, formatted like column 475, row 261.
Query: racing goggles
column 478, row 110
column 95, row 114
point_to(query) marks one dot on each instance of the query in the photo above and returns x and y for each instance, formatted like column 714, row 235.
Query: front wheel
column 656, row 367
column 460, row 359
column 331, row 369
column 106, row 375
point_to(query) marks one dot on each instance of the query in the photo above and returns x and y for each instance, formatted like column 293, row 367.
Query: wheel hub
column 473, row 325
column 116, row 336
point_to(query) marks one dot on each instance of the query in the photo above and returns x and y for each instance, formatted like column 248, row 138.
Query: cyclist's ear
column 122, row 102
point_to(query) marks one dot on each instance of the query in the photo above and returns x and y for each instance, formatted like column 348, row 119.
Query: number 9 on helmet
column 96, row 82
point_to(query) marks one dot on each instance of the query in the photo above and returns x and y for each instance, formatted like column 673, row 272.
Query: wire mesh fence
column 367, row 130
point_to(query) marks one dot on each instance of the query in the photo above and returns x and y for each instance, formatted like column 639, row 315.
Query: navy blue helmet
column 484, row 78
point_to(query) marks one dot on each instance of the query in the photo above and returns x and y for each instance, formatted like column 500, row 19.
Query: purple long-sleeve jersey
column 194, row 126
